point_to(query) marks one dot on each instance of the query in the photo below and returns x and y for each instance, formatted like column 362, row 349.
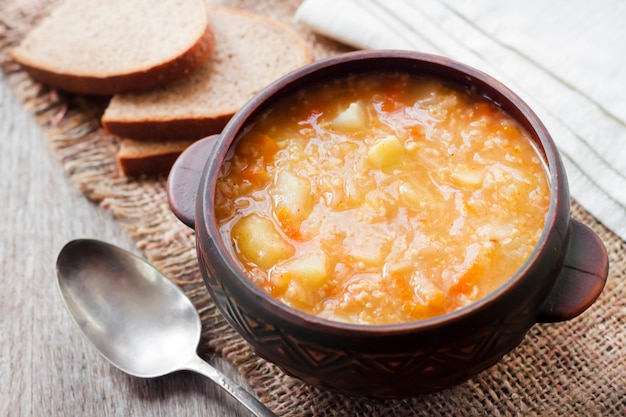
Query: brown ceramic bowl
column 562, row 278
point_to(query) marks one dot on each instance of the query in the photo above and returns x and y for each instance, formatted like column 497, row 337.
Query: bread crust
column 191, row 128
column 141, row 80
column 151, row 122
column 138, row 77
column 147, row 165
column 135, row 159
column 162, row 127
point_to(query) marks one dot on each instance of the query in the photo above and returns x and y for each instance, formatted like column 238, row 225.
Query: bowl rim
column 555, row 174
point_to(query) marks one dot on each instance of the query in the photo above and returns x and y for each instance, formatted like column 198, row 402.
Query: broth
column 382, row 198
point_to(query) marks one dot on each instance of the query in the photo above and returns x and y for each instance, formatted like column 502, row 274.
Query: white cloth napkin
column 565, row 58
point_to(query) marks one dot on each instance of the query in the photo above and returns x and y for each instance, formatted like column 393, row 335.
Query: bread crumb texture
column 145, row 158
column 250, row 52
column 133, row 149
column 106, row 38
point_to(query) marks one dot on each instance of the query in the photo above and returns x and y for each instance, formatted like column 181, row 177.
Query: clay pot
column 563, row 277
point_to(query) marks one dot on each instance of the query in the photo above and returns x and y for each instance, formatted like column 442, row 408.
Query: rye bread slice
column 136, row 158
column 250, row 52
column 113, row 46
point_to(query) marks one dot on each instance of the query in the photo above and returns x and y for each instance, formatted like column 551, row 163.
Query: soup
column 382, row 198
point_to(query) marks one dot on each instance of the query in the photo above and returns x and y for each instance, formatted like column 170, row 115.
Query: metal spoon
column 139, row 320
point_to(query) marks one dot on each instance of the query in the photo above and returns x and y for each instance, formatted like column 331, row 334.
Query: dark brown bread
column 250, row 52
column 113, row 46
column 139, row 157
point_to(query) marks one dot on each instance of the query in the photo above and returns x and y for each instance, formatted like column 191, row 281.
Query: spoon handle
column 244, row 397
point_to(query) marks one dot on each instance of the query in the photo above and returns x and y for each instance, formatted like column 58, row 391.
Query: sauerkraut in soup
column 382, row 198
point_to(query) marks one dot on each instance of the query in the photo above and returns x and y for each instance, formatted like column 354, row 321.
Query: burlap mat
column 576, row 368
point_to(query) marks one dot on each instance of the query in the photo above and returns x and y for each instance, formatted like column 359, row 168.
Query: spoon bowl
column 136, row 318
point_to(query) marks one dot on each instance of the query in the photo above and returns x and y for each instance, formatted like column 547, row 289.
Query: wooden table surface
column 47, row 368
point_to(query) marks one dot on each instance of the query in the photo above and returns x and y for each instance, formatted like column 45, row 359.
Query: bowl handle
column 581, row 278
column 184, row 179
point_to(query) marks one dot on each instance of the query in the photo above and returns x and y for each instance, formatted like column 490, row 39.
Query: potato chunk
column 415, row 195
column 351, row 119
column 311, row 271
column 386, row 152
column 259, row 242
column 466, row 177
column 294, row 194
column 371, row 251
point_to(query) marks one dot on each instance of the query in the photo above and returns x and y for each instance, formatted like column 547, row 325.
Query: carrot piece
column 267, row 148
column 260, row 152
column 483, row 109
column 416, row 131
column 466, row 281
column 254, row 175
column 287, row 224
